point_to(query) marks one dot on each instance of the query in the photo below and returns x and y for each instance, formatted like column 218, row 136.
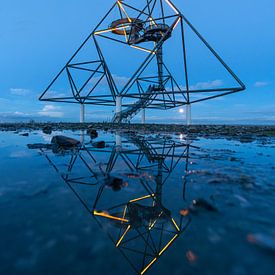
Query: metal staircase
column 127, row 114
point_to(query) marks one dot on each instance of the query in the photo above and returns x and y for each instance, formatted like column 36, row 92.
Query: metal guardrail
column 129, row 112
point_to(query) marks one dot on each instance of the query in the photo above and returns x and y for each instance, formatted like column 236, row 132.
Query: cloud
column 15, row 114
column 55, row 94
column 260, row 84
column 207, row 85
column 120, row 81
column 19, row 91
column 51, row 111
column 4, row 101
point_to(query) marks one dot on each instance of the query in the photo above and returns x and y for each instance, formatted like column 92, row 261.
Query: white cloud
column 207, row 85
column 19, row 91
column 120, row 81
column 54, row 94
column 15, row 114
column 260, row 84
column 51, row 111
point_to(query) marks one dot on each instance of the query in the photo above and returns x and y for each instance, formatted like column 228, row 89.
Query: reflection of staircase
column 145, row 147
column 142, row 143
column 128, row 113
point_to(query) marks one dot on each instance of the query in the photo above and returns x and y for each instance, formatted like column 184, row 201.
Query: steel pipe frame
column 101, row 99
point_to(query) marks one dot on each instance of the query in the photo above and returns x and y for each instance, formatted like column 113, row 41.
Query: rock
column 203, row 204
column 262, row 240
column 25, row 134
column 184, row 212
column 47, row 130
column 39, row 146
column 92, row 133
column 233, row 159
column 99, row 144
column 65, row 142
column 246, row 139
column 215, row 181
column 115, row 183
column 191, row 256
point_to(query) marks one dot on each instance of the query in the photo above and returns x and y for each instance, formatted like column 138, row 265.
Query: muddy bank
column 244, row 133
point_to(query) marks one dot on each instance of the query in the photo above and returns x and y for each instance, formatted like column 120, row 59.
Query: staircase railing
column 129, row 112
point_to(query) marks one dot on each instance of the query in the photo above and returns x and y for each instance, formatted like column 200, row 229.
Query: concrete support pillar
column 82, row 113
column 188, row 114
column 118, row 104
column 143, row 116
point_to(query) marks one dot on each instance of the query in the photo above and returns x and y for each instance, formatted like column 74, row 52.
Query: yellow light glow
column 174, row 222
column 122, row 237
column 143, row 49
column 112, row 29
column 148, row 266
column 124, row 11
column 165, row 247
column 124, row 213
column 172, row 6
column 125, row 35
column 108, row 216
column 142, row 198
column 153, row 224
column 177, row 23
column 152, row 20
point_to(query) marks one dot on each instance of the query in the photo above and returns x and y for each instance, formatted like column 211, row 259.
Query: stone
column 115, row 183
column 99, row 144
column 63, row 141
column 92, row 133
column 203, row 204
column 39, row 146
column 47, row 130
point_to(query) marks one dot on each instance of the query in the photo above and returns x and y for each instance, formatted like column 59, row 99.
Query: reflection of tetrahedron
column 142, row 230
column 165, row 63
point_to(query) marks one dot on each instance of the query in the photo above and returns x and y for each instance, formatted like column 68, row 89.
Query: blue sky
column 38, row 37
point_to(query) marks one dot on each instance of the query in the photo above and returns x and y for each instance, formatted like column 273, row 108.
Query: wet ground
column 154, row 203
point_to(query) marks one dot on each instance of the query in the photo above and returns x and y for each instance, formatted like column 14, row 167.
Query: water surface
column 155, row 204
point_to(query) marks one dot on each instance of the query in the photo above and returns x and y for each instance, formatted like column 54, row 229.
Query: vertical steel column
column 159, row 56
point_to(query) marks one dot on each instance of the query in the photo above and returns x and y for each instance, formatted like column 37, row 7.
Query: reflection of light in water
column 20, row 154
column 181, row 136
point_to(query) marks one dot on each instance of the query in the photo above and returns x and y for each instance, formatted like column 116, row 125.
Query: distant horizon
column 175, row 122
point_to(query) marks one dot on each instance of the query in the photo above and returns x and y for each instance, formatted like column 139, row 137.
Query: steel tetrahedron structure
column 133, row 39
